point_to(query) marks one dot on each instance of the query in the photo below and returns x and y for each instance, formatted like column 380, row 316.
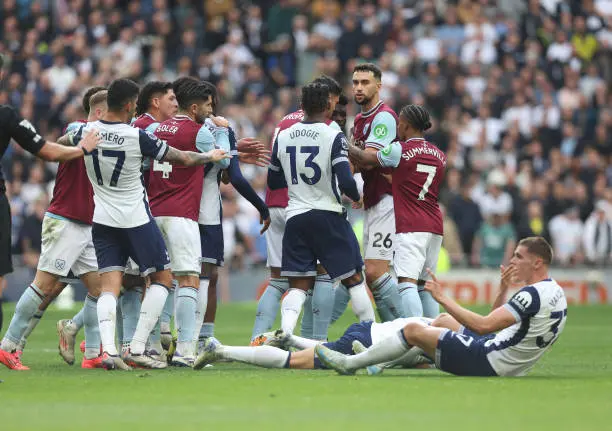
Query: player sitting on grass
column 357, row 337
column 528, row 325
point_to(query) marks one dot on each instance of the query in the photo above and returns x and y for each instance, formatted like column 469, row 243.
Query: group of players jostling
column 136, row 215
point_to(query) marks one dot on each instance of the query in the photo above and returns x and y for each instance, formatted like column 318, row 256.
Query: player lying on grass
column 528, row 324
column 357, row 337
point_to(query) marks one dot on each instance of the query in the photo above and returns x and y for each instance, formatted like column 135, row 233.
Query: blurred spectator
column 466, row 215
column 451, row 241
column 30, row 233
column 566, row 231
column 494, row 242
column 597, row 240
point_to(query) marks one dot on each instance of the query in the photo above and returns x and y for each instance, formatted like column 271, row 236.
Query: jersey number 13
column 312, row 152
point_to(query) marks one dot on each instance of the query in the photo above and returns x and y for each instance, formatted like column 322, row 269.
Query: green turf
column 570, row 389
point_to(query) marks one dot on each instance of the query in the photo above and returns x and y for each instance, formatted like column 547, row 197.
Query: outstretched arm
column 500, row 318
column 191, row 158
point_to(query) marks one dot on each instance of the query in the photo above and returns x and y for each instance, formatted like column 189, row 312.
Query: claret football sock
column 268, row 305
column 411, row 302
column 430, row 307
column 387, row 298
column 290, row 309
column 322, row 306
column 26, row 308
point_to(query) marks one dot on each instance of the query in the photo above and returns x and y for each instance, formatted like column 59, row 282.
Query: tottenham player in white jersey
column 276, row 351
column 506, row 342
column 310, row 158
column 122, row 223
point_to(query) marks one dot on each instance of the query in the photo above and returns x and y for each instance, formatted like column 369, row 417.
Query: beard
column 364, row 101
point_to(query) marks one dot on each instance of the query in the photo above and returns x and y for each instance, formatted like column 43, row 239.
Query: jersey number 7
column 431, row 173
column 120, row 155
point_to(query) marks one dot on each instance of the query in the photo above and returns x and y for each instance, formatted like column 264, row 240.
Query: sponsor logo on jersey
column 380, row 131
column 386, row 151
column 522, row 300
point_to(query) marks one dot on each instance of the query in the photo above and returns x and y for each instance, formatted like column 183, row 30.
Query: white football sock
column 107, row 321
column 291, row 307
column 387, row 350
column 408, row 359
column 361, row 303
column 201, row 307
column 151, row 309
column 263, row 356
column 301, row 342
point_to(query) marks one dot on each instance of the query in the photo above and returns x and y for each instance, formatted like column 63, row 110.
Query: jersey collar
column 146, row 114
column 374, row 109
column 111, row 122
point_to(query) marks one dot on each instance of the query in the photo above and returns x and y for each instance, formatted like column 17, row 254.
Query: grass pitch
column 570, row 389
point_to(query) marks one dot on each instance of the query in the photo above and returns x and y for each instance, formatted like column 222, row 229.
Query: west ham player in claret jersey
column 174, row 195
column 122, row 223
column 66, row 246
column 314, row 325
column 310, row 158
column 374, row 128
column 156, row 103
column 506, row 342
column 418, row 170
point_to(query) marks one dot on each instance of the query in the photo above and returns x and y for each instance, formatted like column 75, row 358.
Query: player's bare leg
column 292, row 304
column 409, row 294
column 268, row 305
column 360, row 300
column 413, row 334
column 150, row 311
column 186, row 307
column 384, row 289
column 445, row 320
column 26, row 308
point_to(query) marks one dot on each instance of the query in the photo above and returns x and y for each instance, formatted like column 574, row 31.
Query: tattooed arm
column 192, row 158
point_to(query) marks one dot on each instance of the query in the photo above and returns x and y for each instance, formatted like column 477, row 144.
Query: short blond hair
column 538, row 246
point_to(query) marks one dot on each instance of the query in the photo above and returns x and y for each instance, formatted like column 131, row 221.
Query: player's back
column 114, row 170
column 175, row 190
column 72, row 193
column 542, row 308
column 305, row 151
column 416, row 185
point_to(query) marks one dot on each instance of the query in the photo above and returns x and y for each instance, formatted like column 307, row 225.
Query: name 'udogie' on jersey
column 307, row 152
column 114, row 170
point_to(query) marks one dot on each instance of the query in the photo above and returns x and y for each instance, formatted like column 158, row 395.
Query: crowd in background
column 519, row 92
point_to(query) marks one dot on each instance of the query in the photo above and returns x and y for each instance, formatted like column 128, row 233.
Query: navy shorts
column 357, row 331
column 320, row 235
column 211, row 238
column 144, row 244
column 463, row 355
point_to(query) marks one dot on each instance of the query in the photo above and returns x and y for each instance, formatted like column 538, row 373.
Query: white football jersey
column 381, row 331
column 114, row 170
column 306, row 152
column 541, row 312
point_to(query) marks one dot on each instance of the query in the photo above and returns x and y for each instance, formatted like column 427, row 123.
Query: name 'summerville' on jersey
column 111, row 137
column 424, row 150
column 304, row 133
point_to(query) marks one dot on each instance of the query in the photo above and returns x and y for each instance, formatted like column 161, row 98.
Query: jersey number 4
column 431, row 173
column 308, row 163
column 119, row 155
column 164, row 167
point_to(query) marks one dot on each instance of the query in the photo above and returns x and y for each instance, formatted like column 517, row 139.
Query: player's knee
column 162, row 277
column 353, row 280
column 374, row 270
column 45, row 282
column 442, row 320
column 413, row 333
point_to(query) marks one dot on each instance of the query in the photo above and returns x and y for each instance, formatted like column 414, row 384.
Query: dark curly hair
column 315, row 98
column 417, row 116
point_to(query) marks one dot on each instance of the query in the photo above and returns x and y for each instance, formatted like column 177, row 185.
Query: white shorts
column 66, row 245
column 131, row 268
column 182, row 238
column 415, row 252
column 274, row 237
column 379, row 230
